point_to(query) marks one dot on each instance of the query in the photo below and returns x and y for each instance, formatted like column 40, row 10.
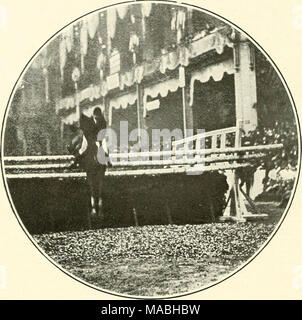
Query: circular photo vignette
column 141, row 239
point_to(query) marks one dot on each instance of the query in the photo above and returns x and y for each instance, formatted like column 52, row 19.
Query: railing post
column 238, row 134
column 240, row 210
column 214, row 142
column 223, row 141
column 198, row 146
column 236, row 208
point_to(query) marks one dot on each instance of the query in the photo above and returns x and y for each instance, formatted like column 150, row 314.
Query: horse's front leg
column 93, row 194
column 93, row 206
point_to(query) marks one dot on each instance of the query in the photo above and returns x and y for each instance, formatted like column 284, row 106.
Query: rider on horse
column 86, row 148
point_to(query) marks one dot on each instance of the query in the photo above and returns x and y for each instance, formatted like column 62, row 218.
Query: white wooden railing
column 186, row 155
column 208, row 151
column 199, row 140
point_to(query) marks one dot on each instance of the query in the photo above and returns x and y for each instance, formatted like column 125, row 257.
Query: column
column 245, row 84
column 187, row 109
column 140, row 109
column 106, row 110
column 108, row 118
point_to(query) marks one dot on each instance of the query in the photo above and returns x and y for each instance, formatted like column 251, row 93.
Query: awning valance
column 173, row 59
column 162, row 88
column 91, row 93
column 215, row 71
column 131, row 77
column 72, row 117
column 123, row 101
column 215, row 41
column 168, row 61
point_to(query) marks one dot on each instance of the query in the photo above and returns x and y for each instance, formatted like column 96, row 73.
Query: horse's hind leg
column 91, row 183
column 100, row 181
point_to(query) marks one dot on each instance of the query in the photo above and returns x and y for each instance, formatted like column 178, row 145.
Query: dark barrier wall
column 46, row 205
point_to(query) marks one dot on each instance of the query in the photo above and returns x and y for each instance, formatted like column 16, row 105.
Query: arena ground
column 159, row 260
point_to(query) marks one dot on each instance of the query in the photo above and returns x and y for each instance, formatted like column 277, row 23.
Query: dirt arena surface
column 160, row 260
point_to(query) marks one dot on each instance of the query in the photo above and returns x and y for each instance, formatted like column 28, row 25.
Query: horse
column 89, row 160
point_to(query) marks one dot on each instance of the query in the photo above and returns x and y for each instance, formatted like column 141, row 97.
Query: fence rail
column 227, row 159
column 184, row 156
column 188, row 156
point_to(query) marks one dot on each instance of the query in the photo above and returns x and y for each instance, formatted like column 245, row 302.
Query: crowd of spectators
column 280, row 165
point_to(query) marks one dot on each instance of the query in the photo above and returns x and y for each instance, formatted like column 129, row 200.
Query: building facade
column 154, row 66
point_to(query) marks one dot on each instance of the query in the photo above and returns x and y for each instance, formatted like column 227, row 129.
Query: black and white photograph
column 150, row 149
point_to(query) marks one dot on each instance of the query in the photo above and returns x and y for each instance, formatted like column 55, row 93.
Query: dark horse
column 91, row 156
